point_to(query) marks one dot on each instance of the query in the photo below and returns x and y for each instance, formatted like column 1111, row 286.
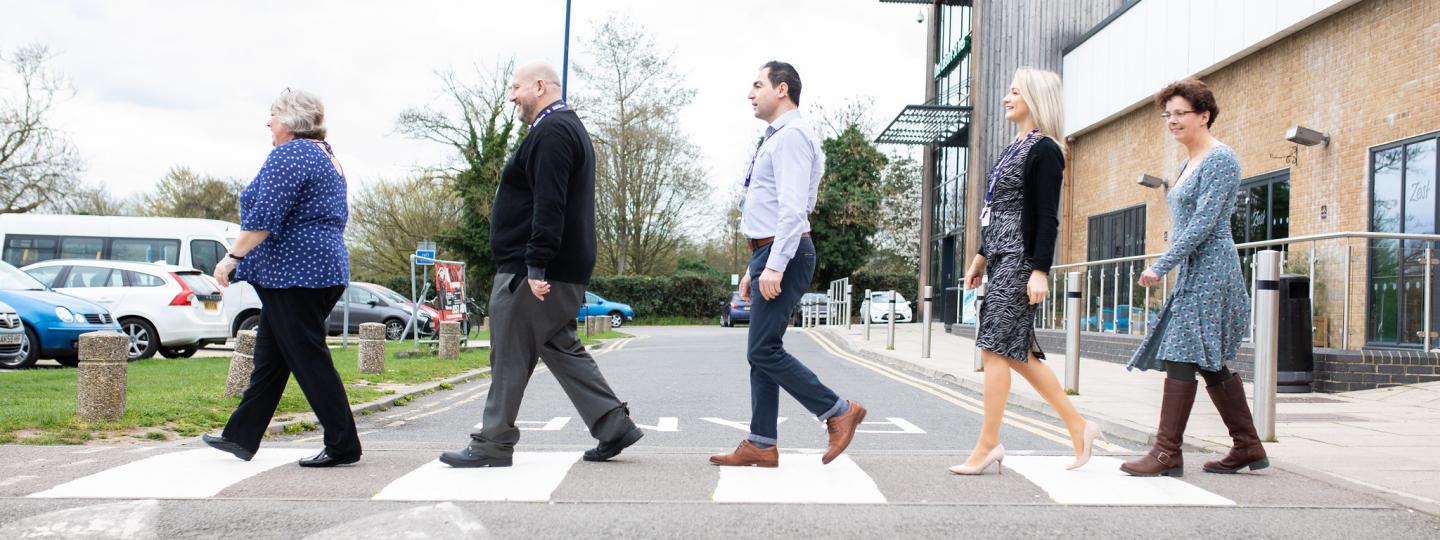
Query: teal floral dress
column 1208, row 311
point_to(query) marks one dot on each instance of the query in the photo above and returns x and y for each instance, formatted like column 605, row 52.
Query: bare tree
column 38, row 165
column 388, row 217
column 185, row 193
column 649, row 185
column 92, row 200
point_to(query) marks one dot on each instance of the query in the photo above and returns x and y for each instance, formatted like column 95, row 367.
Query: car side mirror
column 373, row 303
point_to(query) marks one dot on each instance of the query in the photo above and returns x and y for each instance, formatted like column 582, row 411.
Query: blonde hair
column 1041, row 91
column 301, row 113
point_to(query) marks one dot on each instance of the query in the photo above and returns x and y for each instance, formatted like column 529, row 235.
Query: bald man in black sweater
column 543, row 240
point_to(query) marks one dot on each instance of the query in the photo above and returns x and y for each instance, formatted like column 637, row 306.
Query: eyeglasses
column 1178, row 114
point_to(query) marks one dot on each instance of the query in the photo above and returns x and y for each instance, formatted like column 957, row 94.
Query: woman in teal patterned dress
column 1203, row 321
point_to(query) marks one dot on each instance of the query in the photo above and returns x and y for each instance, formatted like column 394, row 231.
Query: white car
column 877, row 307
column 165, row 308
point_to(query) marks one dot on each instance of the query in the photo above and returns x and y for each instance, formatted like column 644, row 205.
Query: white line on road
column 742, row 426
column 533, row 477
column 190, row 474
column 664, row 424
column 129, row 520
column 800, row 478
column 904, row 425
column 1101, row 482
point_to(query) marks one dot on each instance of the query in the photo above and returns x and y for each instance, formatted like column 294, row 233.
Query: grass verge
column 676, row 321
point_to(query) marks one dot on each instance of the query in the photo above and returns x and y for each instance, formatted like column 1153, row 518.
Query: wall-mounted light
column 1152, row 181
column 1305, row 136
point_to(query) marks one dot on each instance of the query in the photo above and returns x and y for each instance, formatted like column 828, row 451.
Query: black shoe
column 227, row 445
column 468, row 458
column 607, row 450
column 326, row 459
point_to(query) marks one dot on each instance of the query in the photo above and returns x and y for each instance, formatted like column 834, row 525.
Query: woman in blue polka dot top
column 292, row 250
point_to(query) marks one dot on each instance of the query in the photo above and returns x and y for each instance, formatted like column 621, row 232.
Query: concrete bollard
column 242, row 362
column 372, row 348
column 450, row 340
column 101, row 380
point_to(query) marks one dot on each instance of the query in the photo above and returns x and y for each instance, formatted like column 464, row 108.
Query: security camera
column 920, row 15
column 1305, row 136
column 1152, row 181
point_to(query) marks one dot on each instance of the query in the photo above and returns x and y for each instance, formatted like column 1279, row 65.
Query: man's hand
column 539, row 288
column 745, row 286
column 222, row 271
column 770, row 283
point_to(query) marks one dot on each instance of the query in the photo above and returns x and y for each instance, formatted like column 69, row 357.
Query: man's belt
column 757, row 243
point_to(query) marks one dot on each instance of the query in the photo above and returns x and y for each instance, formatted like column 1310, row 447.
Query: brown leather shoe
column 746, row 455
column 1165, row 458
column 842, row 430
column 1229, row 398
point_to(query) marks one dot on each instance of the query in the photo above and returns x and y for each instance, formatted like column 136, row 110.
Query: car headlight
column 64, row 314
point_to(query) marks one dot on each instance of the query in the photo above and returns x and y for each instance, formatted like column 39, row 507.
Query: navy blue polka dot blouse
column 301, row 199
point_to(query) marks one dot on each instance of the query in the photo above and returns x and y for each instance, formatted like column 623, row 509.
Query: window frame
column 1371, row 152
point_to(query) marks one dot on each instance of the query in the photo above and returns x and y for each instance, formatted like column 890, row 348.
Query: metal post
column 925, row 330
column 1130, row 303
column 414, row 301
column 865, row 313
column 565, row 62
column 1115, row 305
column 1072, row 333
column 345, row 334
column 890, row 341
column 979, row 320
column 1345, row 314
column 848, row 293
column 1100, row 304
column 1086, row 324
column 1267, row 330
column 1429, row 261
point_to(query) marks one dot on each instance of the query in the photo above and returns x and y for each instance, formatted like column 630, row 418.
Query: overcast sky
column 165, row 82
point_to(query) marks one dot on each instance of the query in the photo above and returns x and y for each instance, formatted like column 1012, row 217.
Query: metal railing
column 1110, row 284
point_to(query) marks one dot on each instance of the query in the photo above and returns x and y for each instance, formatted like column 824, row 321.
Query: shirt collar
column 784, row 119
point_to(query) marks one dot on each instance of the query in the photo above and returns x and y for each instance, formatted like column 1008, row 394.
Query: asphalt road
column 689, row 388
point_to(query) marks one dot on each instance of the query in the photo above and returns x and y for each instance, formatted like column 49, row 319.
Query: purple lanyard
column 1005, row 158
column 557, row 106
column 751, row 172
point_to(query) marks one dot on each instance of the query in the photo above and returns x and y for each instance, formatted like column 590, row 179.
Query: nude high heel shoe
column 1092, row 432
column 996, row 456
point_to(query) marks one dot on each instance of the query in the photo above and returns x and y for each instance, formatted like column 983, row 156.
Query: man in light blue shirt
column 780, row 192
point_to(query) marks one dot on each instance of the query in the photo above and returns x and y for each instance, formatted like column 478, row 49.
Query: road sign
column 424, row 257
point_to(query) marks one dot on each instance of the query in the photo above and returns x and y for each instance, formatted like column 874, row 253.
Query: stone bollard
column 101, row 381
column 372, row 348
column 241, row 364
column 485, row 323
column 450, row 340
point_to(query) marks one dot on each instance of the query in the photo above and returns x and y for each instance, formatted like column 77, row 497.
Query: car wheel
column 29, row 352
column 68, row 361
column 178, row 352
column 250, row 323
column 616, row 319
column 144, row 342
column 394, row 329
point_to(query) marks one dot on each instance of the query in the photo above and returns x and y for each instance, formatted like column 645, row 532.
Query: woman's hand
column 1149, row 278
column 223, row 269
column 1038, row 287
column 974, row 272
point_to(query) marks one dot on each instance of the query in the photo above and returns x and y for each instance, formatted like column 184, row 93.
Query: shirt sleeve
column 276, row 188
column 1213, row 205
column 552, row 162
column 793, row 162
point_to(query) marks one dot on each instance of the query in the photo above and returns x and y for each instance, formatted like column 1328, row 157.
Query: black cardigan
column 1040, row 224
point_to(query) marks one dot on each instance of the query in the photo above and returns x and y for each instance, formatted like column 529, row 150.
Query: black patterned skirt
column 1007, row 318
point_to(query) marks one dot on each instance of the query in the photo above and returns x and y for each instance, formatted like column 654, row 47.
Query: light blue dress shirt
column 783, row 186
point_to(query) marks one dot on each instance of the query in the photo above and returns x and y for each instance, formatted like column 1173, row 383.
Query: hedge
column 665, row 296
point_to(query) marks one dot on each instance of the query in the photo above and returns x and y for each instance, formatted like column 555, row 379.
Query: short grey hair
column 301, row 113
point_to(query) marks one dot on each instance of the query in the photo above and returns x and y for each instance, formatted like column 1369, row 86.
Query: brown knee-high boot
column 1229, row 398
column 1165, row 458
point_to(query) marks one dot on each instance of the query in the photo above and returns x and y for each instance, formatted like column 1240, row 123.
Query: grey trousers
column 522, row 329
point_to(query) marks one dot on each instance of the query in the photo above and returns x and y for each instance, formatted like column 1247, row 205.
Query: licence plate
column 211, row 306
column 11, row 339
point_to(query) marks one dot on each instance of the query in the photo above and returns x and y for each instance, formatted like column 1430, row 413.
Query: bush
column 665, row 296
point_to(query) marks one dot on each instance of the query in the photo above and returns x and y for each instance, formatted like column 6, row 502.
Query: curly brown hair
column 1193, row 90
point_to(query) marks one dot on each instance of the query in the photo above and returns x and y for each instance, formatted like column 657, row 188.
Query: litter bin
column 1295, row 367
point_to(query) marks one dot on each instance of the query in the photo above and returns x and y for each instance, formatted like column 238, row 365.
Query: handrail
column 1265, row 243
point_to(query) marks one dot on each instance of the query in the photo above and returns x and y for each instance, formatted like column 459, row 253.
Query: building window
column 1402, row 183
column 1112, row 235
column 1262, row 212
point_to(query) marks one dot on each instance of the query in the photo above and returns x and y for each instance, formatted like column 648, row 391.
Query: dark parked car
column 375, row 303
column 736, row 311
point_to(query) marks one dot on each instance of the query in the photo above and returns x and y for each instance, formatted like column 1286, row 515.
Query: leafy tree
column 897, row 242
column 847, row 211
column 38, row 165
column 185, row 193
column 388, row 217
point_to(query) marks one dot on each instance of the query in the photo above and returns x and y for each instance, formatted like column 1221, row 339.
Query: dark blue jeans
column 771, row 368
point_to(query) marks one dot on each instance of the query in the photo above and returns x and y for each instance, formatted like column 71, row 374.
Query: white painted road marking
column 904, row 425
column 800, row 478
column 1101, row 482
column 444, row 520
column 533, row 477
column 190, row 474
column 665, row 423
column 129, row 520
column 742, row 426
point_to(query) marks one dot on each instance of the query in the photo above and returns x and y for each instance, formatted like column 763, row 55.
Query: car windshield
column 885, row 296
column 12, row 279
column 389, row 295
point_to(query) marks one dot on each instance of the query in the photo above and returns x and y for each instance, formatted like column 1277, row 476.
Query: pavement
column 1387, row 439
column 688, row 388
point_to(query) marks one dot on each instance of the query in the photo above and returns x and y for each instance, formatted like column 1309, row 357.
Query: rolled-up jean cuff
column 839, row 404
column 763, row 440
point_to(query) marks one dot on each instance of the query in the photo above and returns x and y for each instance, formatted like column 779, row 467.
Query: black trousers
column 291, row 339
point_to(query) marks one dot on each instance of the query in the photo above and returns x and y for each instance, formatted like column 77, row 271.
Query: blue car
column 53, row 322
column 1107, row 321
column 736, row 311
column 595, row 306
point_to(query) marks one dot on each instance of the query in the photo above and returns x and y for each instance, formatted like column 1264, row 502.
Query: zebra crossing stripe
column 1101, row 482
column 533, row 477
column 800, row 478
column 191, row 474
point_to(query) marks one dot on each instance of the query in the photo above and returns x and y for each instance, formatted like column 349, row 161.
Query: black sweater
column 1040, row 224
column 543, row 221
